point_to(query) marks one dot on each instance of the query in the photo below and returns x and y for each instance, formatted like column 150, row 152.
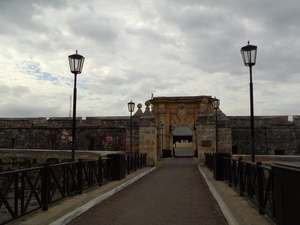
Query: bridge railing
column 209, row 161
column 135, row 161
column 252, row 180
column 27, row 190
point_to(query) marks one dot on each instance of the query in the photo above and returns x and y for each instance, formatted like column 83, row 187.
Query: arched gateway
column 189, row 121
column 183, row 141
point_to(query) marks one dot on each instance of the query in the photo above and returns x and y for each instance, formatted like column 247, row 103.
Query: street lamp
column 76, row 63
column 249, row 57
column 161, row 127
column 130, row 109
column 215, row 105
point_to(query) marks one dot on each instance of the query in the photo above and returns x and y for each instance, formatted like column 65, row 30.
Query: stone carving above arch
column 162, row 108
column 181, row 110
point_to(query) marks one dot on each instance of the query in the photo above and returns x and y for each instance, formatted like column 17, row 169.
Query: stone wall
column 94, row 133
column 206, row 135
column 273, row 135
column 16, row 159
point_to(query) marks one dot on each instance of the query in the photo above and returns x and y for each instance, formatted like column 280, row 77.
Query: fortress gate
column 189, row 120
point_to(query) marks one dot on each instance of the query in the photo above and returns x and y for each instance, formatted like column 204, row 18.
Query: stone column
column 147, row 136
column 206, row 135
column 205, row 130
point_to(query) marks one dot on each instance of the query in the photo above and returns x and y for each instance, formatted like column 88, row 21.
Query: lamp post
column 130, row 109
column 161, row 127
column 76, row 63
column 249, row 57
column 215, row 105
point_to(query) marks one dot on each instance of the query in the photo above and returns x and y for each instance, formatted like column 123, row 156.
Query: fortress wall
column 56, row 133
column 273, row 135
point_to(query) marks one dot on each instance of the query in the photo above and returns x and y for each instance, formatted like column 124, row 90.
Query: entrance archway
column 183, row 141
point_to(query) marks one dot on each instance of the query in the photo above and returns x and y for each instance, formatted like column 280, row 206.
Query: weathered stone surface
column 272, row 135
column 28, row 158
column 147, row 144
column 56, row 133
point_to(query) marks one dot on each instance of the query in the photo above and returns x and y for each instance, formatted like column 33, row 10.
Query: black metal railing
column 135, row 161
column 252, row 180
column 25, row 191
column 209, row 161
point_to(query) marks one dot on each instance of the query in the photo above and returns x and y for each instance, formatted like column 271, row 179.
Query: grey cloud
column 19, row 91
column 4, row 90
column 28, row 110
column 147, row 35
column 16, row 91
column 134, row 48
column 101, row 29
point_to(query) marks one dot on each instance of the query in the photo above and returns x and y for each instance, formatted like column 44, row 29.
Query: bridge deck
column 172, row 194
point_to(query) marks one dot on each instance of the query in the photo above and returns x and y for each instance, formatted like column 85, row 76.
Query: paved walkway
column 175, row 193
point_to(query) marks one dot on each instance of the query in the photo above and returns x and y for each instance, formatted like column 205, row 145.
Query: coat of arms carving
column 181, row 110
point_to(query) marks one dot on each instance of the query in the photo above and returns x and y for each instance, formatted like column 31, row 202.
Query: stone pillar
column 147, row 136
column 206, row 135
column 225, row 139
column 205, row 130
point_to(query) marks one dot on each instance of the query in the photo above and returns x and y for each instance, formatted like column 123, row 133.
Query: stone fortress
column 190, row 119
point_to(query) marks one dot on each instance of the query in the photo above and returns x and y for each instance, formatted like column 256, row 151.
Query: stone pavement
column 173, row 193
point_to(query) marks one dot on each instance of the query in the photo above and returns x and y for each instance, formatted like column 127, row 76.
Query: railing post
column 45, row 184
column 131, row 162
column 100, row 171
column 128, row 164
column 145, row 159
column 22, row 193
column 229, row 172
column 217, row 159
column 140, row 161
column 67, row 177
column 260, row 183
column 225, row 168
column 80, row 176
column 16, row 193
column 241, row 177
column 135, row 161
column 118, row 166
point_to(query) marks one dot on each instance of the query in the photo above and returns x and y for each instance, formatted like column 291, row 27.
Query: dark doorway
column 183, row 146
column 183, row 142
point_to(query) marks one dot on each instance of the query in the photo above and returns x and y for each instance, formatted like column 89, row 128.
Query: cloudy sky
column 133, row 48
